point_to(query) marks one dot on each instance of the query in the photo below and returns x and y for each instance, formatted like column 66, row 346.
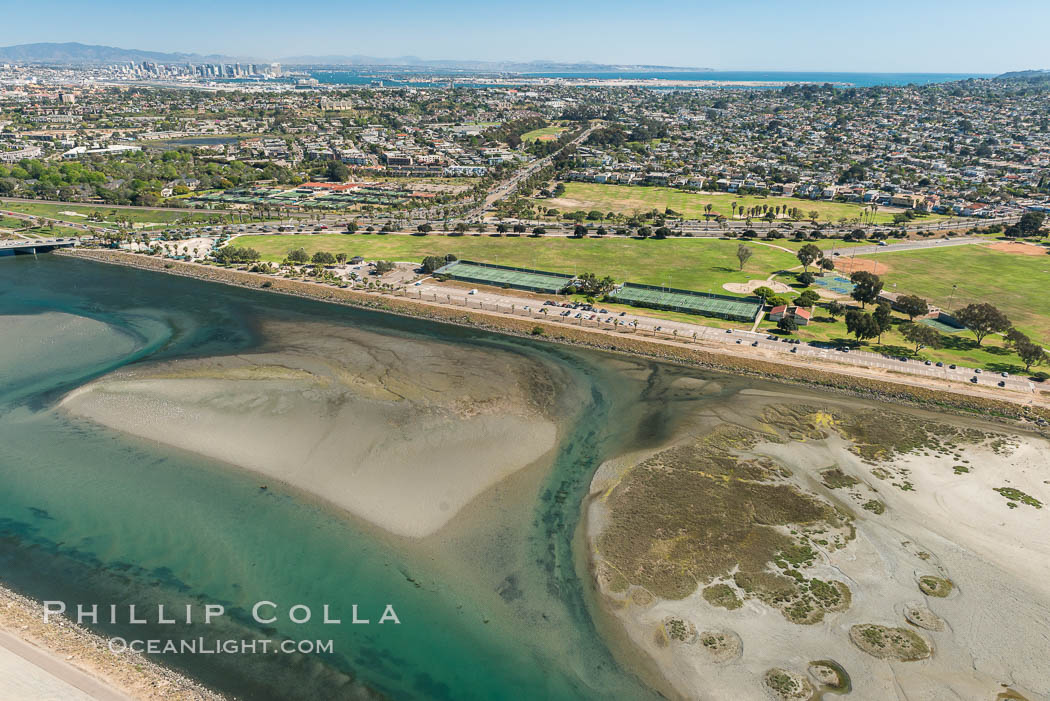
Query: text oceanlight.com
column 200, row 646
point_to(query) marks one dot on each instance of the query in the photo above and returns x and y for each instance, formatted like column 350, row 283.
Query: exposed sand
column 402, row 433
column 847, row 265
column 1024, row 249
column 35, row 337
column 994, row 625
column 750, row 286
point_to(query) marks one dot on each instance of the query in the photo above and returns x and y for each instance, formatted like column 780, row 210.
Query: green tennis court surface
column 737, row 308
column 941, row 326
column 505, row 276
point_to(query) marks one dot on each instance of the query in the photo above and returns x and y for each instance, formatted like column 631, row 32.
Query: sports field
column 683, row 301
column 629, row 199
column 500, row 276
column 546, row 133
column 80, row 212
column 1017, row 284
column 691, row 264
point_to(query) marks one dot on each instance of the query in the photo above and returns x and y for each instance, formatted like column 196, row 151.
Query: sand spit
column 402, row 433
column 959, row 503
column 62, row 660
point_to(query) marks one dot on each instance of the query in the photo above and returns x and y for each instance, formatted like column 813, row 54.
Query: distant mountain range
column 73, row 53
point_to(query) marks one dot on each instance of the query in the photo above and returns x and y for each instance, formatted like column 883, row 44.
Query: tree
column 298, row 255
column 862, row 324
column 883, row 316
column 340, row 258
column 763, row 292
column 806, row 279
column 787, row 324
column 866, row 287
column 1030, row 354
column 743, row 254
column 384, row 266
column 424, row 228
column 827, row 264
column 540, row 231
column 807, row 299
column 809, row 254
column 836, row 309
column 777, row 300
column 913, row 306
column 982, row 319
column 351, row 227
column 323, row 258
column 579, row 231
column 337, row 171
column 921, row 335
column 432, row 263
column 461, row 228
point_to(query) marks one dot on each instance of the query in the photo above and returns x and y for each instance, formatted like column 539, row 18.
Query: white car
column 473, row 292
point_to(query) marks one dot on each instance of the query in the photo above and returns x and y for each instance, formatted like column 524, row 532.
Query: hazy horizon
column 934, row 37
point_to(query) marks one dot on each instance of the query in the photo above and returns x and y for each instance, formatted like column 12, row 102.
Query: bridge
column 13, row 247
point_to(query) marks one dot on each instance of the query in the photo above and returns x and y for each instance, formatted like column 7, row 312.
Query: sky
column 948, row 36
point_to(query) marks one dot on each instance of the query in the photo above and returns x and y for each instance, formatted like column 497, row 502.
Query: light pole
column 952, row 297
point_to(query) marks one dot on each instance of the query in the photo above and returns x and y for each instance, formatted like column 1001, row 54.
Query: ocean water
column 862, row 80
column 501, row 607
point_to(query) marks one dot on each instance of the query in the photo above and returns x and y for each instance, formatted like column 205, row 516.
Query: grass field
column 536, row 134
column 958, row 348
column 702, row 265
column 53, row 210
column 1016, row 284
column 627, row 199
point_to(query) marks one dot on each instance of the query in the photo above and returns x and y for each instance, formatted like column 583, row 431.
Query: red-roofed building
column 801, row 316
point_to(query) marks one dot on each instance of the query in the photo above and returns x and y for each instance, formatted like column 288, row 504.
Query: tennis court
column 835, row 283
column 505, row 276
column 719, row 306
column 941, row 326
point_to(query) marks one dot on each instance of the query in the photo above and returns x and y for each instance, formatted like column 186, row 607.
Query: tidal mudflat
column 398, row 432
column 791, row 544
column 558, row 522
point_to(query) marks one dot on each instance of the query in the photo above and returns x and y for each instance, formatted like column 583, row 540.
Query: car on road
column 974, row 379
column 473, row 292
column 952, row 366
column 1002, row 383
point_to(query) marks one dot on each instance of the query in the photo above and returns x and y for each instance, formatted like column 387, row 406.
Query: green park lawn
column 53, row 210
column 627, row 199
column 959, row 348
column 1016, row 284
column 692, row 264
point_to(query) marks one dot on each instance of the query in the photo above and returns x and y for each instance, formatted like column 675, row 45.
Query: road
column 505, row 189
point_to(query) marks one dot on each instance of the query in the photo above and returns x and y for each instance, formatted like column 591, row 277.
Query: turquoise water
column 89, row 515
